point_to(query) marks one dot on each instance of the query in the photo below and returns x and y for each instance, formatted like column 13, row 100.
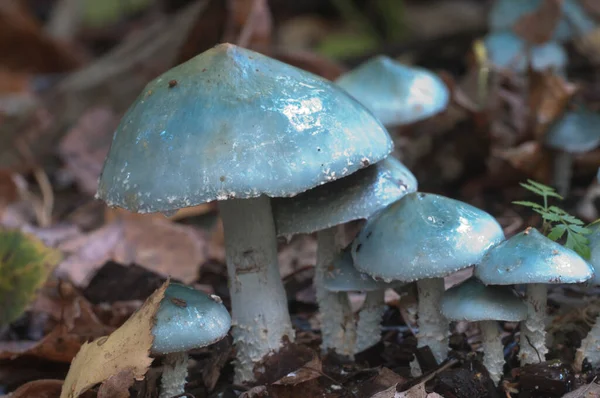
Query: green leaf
column 528, row 204
column 25, row 263
column 533, row 189
column 557, row 232
column 580, row 230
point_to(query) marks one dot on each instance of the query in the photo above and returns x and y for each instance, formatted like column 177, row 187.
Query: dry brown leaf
column 117, row 386
column 527, row 157
column 417, row 391
column 46, row 388
column 86, row 145
column 592, row 390
column 127, row 348
column 538, row 26
column 155, row 243
column 311, row 370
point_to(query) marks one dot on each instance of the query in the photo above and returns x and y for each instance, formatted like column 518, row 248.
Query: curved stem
column 369, row 320
column 338, row 329
column 533, row 329
column 563, row 171
column 590, row 348
column 175, row 372
column 493, row 351
column 258, row 302
column 433, row 326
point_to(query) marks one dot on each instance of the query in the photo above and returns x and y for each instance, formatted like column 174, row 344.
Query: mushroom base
column 338, row 329
column 369, row 320
column 590, row 348
column 175, row 372
column 533, row 329
column 563, row 172
column 260, row 315
column 433, row 326
column 493, row 351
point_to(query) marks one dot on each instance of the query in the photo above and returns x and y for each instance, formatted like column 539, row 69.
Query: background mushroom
column 424, row 237
column 472, row 301
column 322, row 209
column 186, row 319
column 236, row 126
column 530, row 258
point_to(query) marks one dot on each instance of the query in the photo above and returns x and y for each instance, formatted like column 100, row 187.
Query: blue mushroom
column 424, row 237
column 236, row 126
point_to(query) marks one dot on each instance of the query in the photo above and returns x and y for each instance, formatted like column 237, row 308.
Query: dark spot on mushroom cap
column 358, row 247
column 204, row 70
column 420, row 195
column 369, row 234
column 172, row 83
column 318, row 149
column 222, row 178
column 365, row 162
column 178, row 302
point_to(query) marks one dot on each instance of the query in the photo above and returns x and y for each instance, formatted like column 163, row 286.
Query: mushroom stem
column 368, row 331
column 493, row 351
column 533, row 329
column 433, row 326
column 258, row 302
column 175, row 372
column 590, row 348
column 338, row 329
column 563, row 171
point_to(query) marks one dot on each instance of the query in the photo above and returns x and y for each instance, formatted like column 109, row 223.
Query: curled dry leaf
column 126, row 349
column 45, row 388
column 538, row 26
column 117, row 386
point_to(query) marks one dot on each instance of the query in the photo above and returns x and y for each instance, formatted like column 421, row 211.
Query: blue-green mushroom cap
column 188, row 319
column 507, row 50
column 342, row 276
column 473, row 301
column 530, row 257
column 424, row 236
column 232, row 123
column 594, row 244
column 396, row 94
column 575, row 132
column 355, row 197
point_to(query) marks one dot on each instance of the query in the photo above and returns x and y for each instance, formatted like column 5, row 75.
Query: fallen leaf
column 417, row 391
column 313, row 369
column 592, row 390
column 286, row 363
column 537, row 27
column 127, row 348
column 384, row 379
column 527, row 157
column 117, row 386
column 46, row 388
column 58, row 346
column 86, row 145
column 25, row 263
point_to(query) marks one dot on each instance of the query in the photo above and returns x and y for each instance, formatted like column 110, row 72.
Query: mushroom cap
column 473, row 301
column 343, row 277
column 232, row 123
column 530, row 257
column 396, row 94
column 188, row 319
column 424, row 236
column 594, row 244
column 355, row 197
column 575, row 132
column 507, row 50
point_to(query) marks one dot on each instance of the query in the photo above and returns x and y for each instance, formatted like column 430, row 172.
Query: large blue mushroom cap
column 472, row 301
column 575, row 132
column 594, row 244
column 507, row 50
column 424, row 236
column 355, row 197
column 188, row 319
column 530, row 257
column 396, row 94
column 232, row 123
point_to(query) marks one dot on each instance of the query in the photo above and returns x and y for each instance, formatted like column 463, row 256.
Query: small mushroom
column 186, row 319
column 531, row 258
column 322, row 209
column 575, row 132
column 424, row 237
column 472, row 301
column 590, row 346
column 507, row 50
column 239, row 128
column 396, row 94
column 344, row 278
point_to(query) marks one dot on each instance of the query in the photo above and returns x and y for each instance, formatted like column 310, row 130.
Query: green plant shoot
column 555, row 221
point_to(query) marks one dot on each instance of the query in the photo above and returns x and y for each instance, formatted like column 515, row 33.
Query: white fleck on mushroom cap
column 232, row 123
column 424, row 236
column 355, row 197
column 530, row 257
column 396, row 94
column 188, row 319
column 472, row 301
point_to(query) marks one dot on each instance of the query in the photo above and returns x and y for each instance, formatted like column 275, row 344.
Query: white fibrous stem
column 175, row 372
column 563, row 171
column 433, row 326
column 493, row 350
column 259, row 308
column 368, row 331
column 338, row 328
column 590, row 348
column 533, row 329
